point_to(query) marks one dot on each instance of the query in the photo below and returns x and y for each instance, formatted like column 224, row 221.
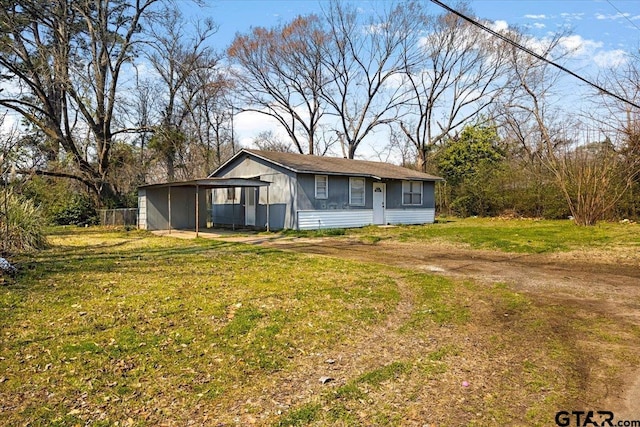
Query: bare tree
column 593, row 179
column 269, row 142
column 589, row 174
column 280, row 74
column 207, row 98
column 142, row 112
column 64, row 61
column 619, row 117
column 459, row 75
column 365, row 57
column 176, row 55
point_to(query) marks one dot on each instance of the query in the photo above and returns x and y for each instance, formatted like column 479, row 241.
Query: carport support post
column 169, row 203
column 197, row 208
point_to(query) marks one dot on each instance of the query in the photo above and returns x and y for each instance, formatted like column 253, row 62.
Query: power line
column 624, row 15
column 535, row 55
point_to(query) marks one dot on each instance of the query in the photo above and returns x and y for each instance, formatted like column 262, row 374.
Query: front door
column 250, row 206
column 378, row 202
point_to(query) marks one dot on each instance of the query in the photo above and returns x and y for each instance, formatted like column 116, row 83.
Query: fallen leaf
column 324, row 380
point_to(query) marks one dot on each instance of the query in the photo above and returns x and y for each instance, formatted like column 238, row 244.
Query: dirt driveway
column 606, row 283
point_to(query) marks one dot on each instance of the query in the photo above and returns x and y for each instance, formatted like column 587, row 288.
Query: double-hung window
column 322, row 186
column 412, row 193
column 356, row 191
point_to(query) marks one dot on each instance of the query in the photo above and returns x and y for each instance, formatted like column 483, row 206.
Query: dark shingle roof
column 303, row 163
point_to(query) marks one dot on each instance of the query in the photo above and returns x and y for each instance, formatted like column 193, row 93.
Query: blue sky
column 608, row 24
column 603, row 31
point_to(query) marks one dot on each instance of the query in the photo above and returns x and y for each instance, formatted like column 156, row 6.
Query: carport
column 178, row 205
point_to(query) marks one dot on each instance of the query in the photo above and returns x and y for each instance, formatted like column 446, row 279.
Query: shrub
column 80, row 210
column 21, row 226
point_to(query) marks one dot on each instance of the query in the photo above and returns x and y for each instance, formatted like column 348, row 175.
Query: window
column 356, row 191
column 322, row 186
column 411, row 192
column 231, row 193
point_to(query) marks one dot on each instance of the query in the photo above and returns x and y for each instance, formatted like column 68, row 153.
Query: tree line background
column 112, row 94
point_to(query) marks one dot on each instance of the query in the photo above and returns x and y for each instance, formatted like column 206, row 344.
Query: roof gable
column 319, row 165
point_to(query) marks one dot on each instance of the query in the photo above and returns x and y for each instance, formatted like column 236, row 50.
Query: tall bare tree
column 63, row 61
column 365, row 56
column 176, row 55
column 207, row 98
column 280, row 73
column 623, row 119
column 459, row 75
column 620, row 117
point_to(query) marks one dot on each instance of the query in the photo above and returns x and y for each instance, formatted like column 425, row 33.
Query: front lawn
column 523, row 236
column 115, row 327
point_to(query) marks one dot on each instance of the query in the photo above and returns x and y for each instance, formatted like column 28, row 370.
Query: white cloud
column 536, row 16
column 583, row 50
column 611, row 58
column 572, row 16
column 395, row 81
column 247, row 125
column 539, row 25
column 499, row 25
column 614, row 17
column 576, row 45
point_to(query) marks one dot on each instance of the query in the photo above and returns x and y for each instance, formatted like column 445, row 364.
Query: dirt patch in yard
column 595, row 284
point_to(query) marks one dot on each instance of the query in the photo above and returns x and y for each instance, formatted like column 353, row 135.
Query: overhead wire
column 534, row 54
column 623, row 15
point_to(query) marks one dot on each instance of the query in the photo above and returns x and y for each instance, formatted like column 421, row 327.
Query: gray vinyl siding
column 282, row 210
column 157, row 209
column 394, row 196
column 183, row 209
column 292, row 198
column 338, row 194
column 337, row 197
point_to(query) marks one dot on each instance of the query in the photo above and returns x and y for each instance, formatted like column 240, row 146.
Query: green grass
column 520, row 236
column 321, row 232
column 300, row 417
column 122, row 327
column 386, row 373
column 140, row 318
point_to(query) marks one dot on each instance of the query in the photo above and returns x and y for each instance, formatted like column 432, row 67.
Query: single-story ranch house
column 274, row 190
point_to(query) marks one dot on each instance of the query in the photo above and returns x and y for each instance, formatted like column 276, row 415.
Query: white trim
column 326, row 186
column 409, row 182
column 250, row 209
column 334, row 218
column 379, row 208
column 410, row 216
column 364, row 191
column 142, row 209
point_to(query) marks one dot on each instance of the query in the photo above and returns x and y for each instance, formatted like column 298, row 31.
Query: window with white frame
column 356, row 191
column 411, row 192
column 322, row 186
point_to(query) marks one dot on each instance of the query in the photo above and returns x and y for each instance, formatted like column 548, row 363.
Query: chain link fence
column 116, row 217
